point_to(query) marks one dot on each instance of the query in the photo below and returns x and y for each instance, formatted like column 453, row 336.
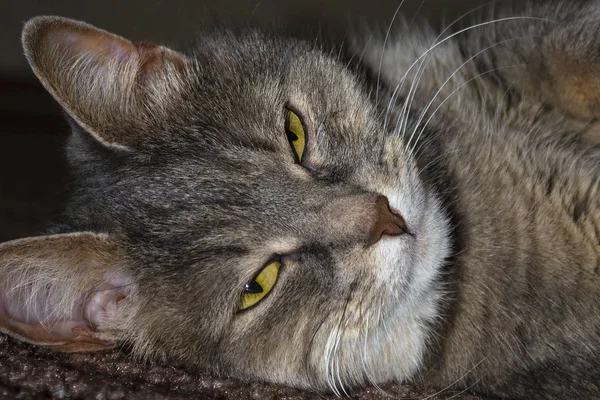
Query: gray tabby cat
column 427, row 210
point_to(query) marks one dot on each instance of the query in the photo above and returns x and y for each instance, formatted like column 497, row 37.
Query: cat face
column 256, row 215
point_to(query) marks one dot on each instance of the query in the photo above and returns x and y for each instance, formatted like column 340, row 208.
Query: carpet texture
column 32, row 182
column 30, row 373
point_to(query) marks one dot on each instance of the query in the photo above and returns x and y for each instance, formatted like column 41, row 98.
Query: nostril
column 386, row 222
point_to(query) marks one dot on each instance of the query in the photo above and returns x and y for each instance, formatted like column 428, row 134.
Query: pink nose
column 387, row 223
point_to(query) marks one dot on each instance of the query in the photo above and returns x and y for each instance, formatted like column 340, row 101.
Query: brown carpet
column 32, row 178
column 30, row 373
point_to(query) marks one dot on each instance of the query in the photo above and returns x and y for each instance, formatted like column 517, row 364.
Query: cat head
column 241, row 207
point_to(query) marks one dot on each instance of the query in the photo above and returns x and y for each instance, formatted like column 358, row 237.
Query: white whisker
column 387, row 34
column 362, row 53
column 443, row 85
column 454, row 92
column 448, row 387
column 435, row 45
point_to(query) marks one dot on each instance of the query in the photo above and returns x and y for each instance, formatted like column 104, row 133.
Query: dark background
column 177, row 22
column 33, row 173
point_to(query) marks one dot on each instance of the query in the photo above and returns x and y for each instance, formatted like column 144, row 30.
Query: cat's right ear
column 108, row 84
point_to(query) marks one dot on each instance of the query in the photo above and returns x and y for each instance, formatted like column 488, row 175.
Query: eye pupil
column 292, row 137
column 253, row 287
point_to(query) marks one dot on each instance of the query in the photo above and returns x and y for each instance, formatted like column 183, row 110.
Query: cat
column 416, row 207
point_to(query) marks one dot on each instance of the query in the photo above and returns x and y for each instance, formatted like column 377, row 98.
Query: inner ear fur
column 112, row 87
column 70, row 292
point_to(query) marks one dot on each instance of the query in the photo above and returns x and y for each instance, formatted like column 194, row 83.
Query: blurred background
column 32, row 132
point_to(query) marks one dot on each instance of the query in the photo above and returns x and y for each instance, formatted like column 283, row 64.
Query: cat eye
column 295, row 133
column 257, row 288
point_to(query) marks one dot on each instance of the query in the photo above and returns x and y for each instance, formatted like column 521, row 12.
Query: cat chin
column 393, row 348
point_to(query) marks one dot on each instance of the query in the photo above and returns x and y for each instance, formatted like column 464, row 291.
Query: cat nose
column 386, row 223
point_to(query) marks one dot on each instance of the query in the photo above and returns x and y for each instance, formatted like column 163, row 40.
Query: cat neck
column 527, row 228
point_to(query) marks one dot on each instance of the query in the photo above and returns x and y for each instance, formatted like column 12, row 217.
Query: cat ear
column 108, row 84
column 65, row 291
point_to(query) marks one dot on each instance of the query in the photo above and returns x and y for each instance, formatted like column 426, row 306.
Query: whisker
column 476, row 26
column 311, row 343
column 373, row 382
column 387, row 35
column 362, row 53
column 405, row 115
column 434, row 44
column 341, row 329
column 467, row 388
column 417, row 13
column 455, row 91
column 332, row 355
column 328, row 373
column 448, row 387
column 443, row 85
column 455, row 34
column 438, row 158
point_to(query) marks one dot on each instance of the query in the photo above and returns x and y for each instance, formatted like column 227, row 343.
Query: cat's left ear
column 114, row 88
column 69, row 292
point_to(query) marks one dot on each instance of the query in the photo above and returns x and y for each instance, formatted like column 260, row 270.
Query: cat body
column 522, row 178
column 420, row 210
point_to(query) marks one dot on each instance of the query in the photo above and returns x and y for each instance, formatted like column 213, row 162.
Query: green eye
column 295, row 133
column 260, row 285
